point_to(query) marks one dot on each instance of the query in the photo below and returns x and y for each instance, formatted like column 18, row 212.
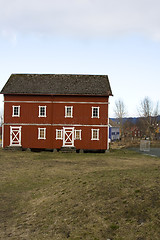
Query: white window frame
column 45, row 111
column 80, row 134
column 92, row 135
column 66, row 107
column 61, row 132
column 39, row 130
column 97, row 112
column 13, row 109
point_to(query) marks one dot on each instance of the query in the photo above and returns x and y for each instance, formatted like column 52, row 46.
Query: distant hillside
column 130, row 119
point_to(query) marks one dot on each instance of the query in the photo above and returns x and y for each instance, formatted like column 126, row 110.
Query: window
column 95, row 112
column 95, row 134
column 77, row 134
column 41, row 133
column 59, row 134
column 15, row 111
column 42, row 111
column 68, row 111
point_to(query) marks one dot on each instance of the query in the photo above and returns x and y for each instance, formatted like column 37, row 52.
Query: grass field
column 79, row 196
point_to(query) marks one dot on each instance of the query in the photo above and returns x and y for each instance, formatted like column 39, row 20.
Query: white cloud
column 86, row 18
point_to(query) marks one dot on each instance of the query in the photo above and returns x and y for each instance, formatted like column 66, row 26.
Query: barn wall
column 82, row 115
column 29, row 138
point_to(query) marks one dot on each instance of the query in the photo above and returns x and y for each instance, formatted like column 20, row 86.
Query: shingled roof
column 58, row 84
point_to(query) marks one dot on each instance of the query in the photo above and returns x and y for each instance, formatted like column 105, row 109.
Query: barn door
column 15, row 136
column 68, row 137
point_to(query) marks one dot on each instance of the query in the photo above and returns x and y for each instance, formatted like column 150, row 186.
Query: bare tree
column 146, row 107
column 120, row 113
column 149, row 116
column 119, row 110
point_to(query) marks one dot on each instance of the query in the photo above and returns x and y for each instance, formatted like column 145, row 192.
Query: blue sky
column 120, row 38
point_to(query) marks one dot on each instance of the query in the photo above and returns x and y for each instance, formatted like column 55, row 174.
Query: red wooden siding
column 30, row 121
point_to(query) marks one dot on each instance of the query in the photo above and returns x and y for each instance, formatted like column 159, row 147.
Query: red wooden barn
column 136, row 132
column 51, row 111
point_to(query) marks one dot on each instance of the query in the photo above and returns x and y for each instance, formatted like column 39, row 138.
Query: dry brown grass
column 128, row 143
column 79, row 196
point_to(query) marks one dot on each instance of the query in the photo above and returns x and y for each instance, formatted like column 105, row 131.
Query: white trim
column 108, row 129
column 2, row 135
column 57, row 102
column 93, row 112
column 15, row 135
column 13, row 108
column 80, row 134
column 67, row 107
column 29, row 101
column 45, row 111
column 10, row 136
column 30, row 124
column 48, row 124
column 39, row 129
column 79, row 125
column 95, row 139
column 3, row 128
column 59, row 130
column 65, row 130
column 81, row 102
